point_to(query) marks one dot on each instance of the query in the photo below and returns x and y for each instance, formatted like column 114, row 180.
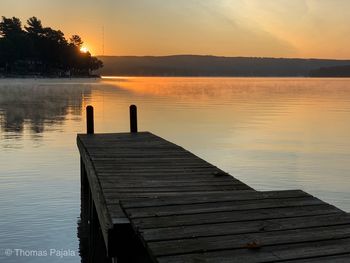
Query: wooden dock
column 156, row 202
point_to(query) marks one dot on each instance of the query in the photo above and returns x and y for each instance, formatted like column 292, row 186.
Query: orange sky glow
column 269, row 28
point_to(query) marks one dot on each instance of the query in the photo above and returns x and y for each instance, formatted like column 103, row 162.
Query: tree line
column 38, row 50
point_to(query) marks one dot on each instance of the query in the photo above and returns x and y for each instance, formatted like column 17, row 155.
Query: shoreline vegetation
column 331, row 72
column 35, row 51
column 214, row 66
column 28, row 76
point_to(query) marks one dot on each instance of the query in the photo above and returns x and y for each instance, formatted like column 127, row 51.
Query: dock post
column 133, row 118
column 89, row 120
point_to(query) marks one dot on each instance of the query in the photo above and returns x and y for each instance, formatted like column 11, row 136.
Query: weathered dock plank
column 189, row 209
column 221, row 217
column 274, row 253
column 242, row 227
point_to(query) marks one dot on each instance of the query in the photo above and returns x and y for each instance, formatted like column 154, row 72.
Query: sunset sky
column 269, row 28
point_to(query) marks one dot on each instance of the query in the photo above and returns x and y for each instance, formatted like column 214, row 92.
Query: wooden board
column 245, row 226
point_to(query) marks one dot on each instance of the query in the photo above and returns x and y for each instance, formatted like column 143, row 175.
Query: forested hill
column 332, row 72
column 191, row 65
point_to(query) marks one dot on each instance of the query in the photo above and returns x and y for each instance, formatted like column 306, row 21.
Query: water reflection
column 39, row 106
column 39, row 183
column 269, row 133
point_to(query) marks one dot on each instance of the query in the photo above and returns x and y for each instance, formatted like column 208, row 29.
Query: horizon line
column 220, row 56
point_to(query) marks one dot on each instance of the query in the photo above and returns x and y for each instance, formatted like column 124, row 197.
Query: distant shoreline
column 14, row 76
column 212, row 66
column 243, row 77
column 159, row 76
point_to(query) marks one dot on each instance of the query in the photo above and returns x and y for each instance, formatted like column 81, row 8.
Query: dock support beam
column 133, row 118
column 90, row 120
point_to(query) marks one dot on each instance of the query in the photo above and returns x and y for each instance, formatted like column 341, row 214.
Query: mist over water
column 271, row 133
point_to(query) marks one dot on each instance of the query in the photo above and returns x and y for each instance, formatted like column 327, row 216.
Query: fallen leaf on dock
column 253, row 245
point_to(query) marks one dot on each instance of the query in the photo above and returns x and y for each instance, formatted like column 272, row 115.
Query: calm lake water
column 270, row 133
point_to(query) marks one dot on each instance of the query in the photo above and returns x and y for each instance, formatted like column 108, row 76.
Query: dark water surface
column 270, row 133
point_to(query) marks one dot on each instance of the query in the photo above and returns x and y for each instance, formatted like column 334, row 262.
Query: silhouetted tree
column 41, row 50
column 95, row 63
column 34, row 26
column 13, row 41
column 76, row 41
column 10, row 27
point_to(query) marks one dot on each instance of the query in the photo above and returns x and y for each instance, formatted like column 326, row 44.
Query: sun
column 84, row 49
